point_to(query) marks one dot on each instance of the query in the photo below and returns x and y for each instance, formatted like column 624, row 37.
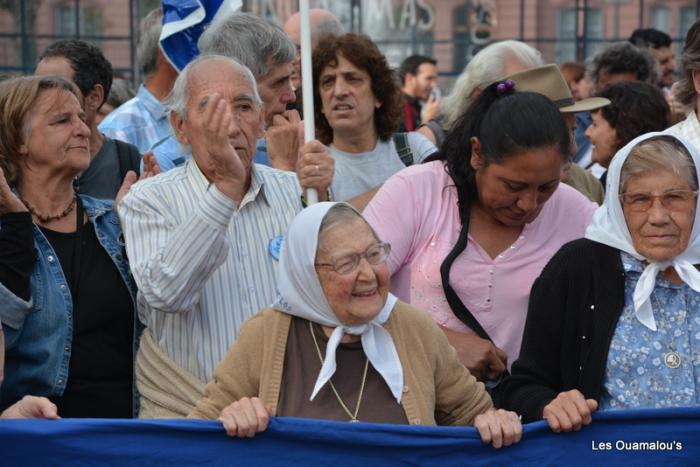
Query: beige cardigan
column 438, row 388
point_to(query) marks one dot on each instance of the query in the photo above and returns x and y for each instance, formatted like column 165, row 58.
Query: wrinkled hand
column 32, row 407
column 9, row 202
column 316, row 167
column 282, row 140
column 499, row 427
column 431, row 109
column 483, row 359
column 245, row 417
column 228, row 171
column 150, row 169
column 569, row 411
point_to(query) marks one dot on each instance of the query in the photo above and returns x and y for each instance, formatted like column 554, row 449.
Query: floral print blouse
column 659, row 368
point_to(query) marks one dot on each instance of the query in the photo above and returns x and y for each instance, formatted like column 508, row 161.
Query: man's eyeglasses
column 375, row 254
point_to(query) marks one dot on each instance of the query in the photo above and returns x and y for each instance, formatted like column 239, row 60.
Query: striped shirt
column 202, row 265
column 142, row 121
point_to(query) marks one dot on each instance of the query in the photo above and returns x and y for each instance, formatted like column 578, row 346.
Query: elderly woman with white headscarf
column 337, row 345
column 614, row 319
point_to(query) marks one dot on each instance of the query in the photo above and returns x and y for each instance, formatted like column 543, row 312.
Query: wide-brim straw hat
column 548, row 81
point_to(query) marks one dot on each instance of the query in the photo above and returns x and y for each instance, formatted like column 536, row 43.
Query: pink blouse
column 416, row 211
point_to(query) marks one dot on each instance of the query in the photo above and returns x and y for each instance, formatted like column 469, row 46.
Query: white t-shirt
column 357, row 173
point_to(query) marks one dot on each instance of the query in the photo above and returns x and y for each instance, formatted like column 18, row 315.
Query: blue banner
column 183, row 23
column 639, row 437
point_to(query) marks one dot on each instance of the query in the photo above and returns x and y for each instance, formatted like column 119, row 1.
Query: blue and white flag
column 183, row 23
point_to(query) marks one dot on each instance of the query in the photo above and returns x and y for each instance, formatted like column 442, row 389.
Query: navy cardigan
column 574, row 308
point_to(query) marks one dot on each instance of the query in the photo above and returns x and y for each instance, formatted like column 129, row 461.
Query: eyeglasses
column 375, row 254
column 673, row 200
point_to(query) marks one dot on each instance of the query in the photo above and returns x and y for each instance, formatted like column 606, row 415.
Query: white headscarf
column 609, row 227
column 300, row 294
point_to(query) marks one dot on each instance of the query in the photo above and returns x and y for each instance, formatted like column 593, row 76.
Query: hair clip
column 505, row 86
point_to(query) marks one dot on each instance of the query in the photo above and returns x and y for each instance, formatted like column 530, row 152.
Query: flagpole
column 307, row 86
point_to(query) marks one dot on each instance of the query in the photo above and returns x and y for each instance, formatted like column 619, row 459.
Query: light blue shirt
column 142, row 121
column 636, row 374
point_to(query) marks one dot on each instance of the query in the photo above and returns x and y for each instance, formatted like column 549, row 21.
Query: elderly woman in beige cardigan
column 337, row 345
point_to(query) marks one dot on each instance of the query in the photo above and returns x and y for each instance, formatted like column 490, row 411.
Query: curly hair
column 364, row 54
column 635, row 108
column 18, row 96
column 623, row 57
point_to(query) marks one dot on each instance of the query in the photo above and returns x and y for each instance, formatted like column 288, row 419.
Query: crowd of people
column 523, row 248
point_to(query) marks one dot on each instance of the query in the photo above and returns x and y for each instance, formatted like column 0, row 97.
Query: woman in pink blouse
column 498, row 175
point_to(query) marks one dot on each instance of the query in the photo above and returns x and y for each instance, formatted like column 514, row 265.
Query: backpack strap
column 126, row 155
column 403, row 149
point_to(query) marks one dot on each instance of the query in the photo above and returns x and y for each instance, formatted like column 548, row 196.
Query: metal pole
column 577, row 36
column 135, row 71
column 585, row 29
column 77, row 19
column 522, row 20
column 307, row 85
column 24, row 40
column 641, row 13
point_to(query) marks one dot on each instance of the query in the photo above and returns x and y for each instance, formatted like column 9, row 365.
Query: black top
column 574, row 308
column 106, row 172
column 16, row 253
column 100, row 372
column 101, row 363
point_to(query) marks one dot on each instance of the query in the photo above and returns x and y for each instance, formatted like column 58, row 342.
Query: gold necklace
column 46, row 218
column 353, row 416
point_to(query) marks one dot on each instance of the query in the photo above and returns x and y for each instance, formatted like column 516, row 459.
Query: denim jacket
column 39, row 333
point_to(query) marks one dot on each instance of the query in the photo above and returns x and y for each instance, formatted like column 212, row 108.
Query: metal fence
column 450, row 30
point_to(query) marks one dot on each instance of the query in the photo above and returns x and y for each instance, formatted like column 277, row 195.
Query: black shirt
column 572, row 314
column 100, row 372
column 16, row 253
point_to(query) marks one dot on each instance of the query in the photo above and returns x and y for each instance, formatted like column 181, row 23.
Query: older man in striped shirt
column 203, row 239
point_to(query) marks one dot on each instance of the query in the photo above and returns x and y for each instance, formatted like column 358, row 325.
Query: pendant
column 354, row 420
column 672, row 359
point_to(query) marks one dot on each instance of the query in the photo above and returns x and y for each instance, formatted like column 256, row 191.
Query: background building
column 452, row 31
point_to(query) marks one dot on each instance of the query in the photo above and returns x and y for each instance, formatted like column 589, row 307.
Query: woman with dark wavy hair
column 471, row 232
column 358, row 107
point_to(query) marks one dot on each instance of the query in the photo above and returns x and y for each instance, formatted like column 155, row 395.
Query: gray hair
column 253, row 41
column 177, row 100
column 487, row 67
column 340, row 213
column 120, row 92
column 690, row 62
column 655, row 154
column 623, row 57
column 149, row 41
